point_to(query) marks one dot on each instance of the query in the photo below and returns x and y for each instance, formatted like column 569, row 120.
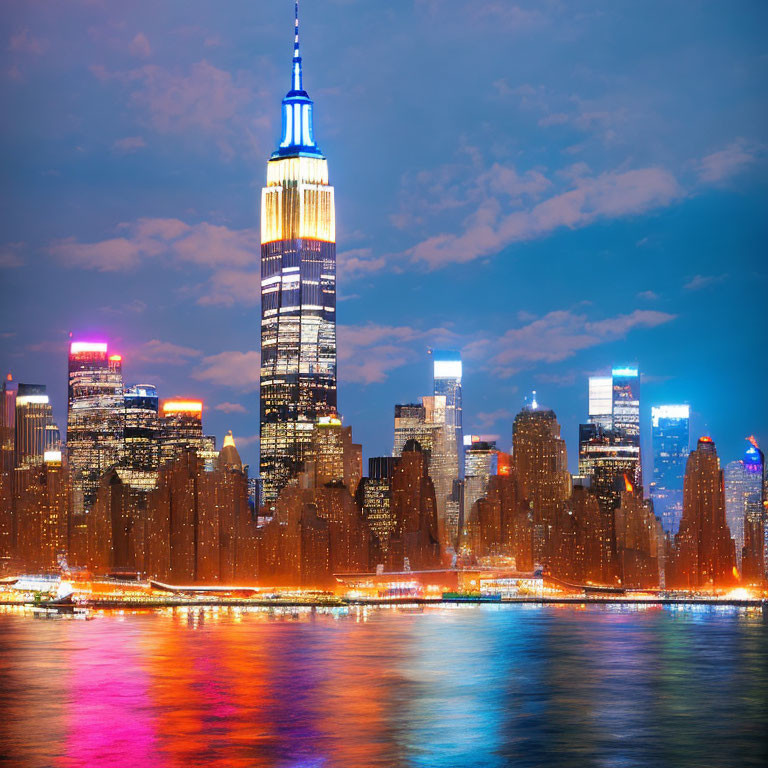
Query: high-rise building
column 141, row 446
column 480, row 462
column 541, row 459
column 95, row 418
column 34, row 430
column 614, row 410
column 704, row 553
column 181, row 426
column 298, row 291
column 411, row 424
column 626, row 403
column 670, row 432
column 744, row 502
column 374, row 495
column 7, row 425
column 446, row 382
column 334, row 457
column 41, row 511
column 601, row 401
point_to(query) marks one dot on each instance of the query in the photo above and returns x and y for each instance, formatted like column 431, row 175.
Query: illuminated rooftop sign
column 625, row 372
column 183, row 406
column 77, row 347
column 115, row 358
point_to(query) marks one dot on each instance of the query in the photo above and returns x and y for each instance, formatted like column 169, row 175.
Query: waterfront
column 480, row 685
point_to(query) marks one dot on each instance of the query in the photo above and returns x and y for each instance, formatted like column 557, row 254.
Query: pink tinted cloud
column 490, row 228
column 232, row 369
column 156, row 351
column 726, row 162
column 24, row 42
column 140, row 46
column 129, row 144
column 230, row 408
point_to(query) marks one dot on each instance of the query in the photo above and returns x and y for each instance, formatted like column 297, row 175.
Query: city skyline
column 387, row 319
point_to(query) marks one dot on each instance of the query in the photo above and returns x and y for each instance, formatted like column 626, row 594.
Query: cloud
column 232, row 286
column 23, row 42
column 129, row 144
column 648, row 295
column 205, row 244
column 357, row 262
column 236, row 370
column 10, row 255
column 491, row 227
column 557, row 336
column 140, row 46
column 484, row 420
column 242, row 441
column 204, row 100
column 368, row 353
column 163, row 352
column 726, row 162
column 230, row 408
column 697, row 282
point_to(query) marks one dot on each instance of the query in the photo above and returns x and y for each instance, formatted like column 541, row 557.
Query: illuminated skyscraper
column 298, row 291
column 670, row 433
column 181, row 426
column 614, row 409
column 35, row 432
column 541, row 459
column 704, row 551
column 744, row 499
column 480, row 462
column 626, row 403
column 601, row 401
column 7, row 424
column 141, row 450
column 94, row 418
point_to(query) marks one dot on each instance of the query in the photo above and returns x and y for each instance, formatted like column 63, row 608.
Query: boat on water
column 61, row 608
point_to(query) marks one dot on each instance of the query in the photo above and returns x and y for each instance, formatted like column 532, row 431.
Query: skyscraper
column 7, row 424
column 35, row 432
column 480, row 462
column 181, row 427
column 670, row 432
column 601, row 401
column 541, row 459
column 141, row 450
column 704, row 551
column 626, row 403
column 614, row 410
column 298, row 291
column 744, row 499
column 94, row 418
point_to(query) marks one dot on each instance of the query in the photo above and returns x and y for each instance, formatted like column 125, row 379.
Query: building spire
column 297, row 78
column 298, row 130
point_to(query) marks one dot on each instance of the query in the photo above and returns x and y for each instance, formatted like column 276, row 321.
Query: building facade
column 298, row 292
column 670, row 434
column 94, row 418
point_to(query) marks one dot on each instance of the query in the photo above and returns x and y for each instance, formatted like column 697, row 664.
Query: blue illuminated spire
column 298, row 131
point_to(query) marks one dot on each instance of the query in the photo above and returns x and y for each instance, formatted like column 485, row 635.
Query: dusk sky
column 550, row 187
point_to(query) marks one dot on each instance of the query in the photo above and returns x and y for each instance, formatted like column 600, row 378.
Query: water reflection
column 463, row 686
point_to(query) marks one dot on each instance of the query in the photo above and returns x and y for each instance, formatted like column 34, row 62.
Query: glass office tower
column 95, row 418
column 298, row 292
column 670, row 434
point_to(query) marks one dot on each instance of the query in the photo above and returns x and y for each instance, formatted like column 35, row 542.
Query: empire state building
column 298, row 291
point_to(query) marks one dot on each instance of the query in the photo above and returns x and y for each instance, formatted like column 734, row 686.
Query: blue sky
column 550, row 187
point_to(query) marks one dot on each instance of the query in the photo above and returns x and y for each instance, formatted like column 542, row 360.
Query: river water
column 479, row 685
